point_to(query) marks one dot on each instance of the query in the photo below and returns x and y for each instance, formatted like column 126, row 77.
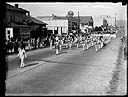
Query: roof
column 30, row 19
column 83, row 19
column 53, row 17
column 18, row 25
column 60, row 17
column 44, row 17
column 86, row 19
column 10, row 7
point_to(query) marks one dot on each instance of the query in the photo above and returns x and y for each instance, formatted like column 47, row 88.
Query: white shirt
column 21, row 53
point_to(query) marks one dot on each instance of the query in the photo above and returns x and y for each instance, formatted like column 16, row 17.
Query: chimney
column 16, row 5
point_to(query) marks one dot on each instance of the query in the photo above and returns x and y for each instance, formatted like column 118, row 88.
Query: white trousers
column 83, row 46
column 50, row 45
column 96, row 47
column 101, row 44
column 22, row 62
column 57, row 51
column 87, row 45
column 77, row 45
column 70, row 46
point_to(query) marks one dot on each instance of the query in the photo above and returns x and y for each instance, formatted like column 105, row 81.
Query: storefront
column 18, row 32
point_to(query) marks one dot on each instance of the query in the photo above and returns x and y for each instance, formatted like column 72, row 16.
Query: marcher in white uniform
column 78, row 41
column 102, row 41
column 50, row 43
column 83, row 44
column 88, row 42
column 57, row 45
column 60, row 43
column 97, row 44
column 22, row 55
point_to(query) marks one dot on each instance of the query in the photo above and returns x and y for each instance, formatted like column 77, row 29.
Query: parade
column 98, row 41
column 65, row 48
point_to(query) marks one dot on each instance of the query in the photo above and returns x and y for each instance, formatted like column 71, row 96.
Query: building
column 86, row 23
column 15, row 27
column 73, row 23
column 37, row 27
column 98, row 20
column 56, row 25
column 61, row 24
column 67, row 24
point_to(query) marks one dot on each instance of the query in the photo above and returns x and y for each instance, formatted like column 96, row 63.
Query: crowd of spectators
column 12, row 45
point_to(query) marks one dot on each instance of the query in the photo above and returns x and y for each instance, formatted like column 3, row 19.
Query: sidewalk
column 122, row 83
column 119, row 80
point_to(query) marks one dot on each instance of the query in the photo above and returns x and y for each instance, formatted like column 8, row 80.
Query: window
column 8, row 31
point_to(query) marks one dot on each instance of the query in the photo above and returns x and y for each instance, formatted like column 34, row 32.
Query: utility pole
column 78, row 23
column 115, row 20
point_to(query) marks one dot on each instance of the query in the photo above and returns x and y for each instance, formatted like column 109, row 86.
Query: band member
column 70, row 42
column 77, row 43
column 51, row 43
column 57, row 45
column 88, row 42
column 102, row 41
column 83, row 42
column 60, row 43
column 97, row 44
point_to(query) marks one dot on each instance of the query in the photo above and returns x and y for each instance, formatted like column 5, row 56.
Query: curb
column 113, row 84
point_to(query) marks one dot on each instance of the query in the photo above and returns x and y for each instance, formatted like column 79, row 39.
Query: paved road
column 35, row 55
column 13, row 62
column 75, row 72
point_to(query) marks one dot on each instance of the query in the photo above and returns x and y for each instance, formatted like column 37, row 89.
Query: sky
column 84, row 8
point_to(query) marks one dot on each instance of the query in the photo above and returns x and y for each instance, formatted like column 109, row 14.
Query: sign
column 25, row 33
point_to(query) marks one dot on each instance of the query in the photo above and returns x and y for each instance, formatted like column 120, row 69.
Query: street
column 14, row 62
column 65, row 48
column 72, row 72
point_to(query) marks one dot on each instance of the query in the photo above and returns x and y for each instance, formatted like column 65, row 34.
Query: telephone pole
column 78, row 23
column 115, row 22
column 115, row 19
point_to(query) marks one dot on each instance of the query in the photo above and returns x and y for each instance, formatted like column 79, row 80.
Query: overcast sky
column 85, row 9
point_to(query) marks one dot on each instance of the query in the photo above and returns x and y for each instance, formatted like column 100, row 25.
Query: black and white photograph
column 66, row 48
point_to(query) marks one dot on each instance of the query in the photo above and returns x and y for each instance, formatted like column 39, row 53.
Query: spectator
column 16, row 46
column 10, row 46
column 22, row 44
column 6, row 46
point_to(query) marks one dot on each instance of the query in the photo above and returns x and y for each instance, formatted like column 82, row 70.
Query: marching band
column 86, row 41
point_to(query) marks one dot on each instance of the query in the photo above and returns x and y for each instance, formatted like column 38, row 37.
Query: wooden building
column 37, row 27
column 15, row 26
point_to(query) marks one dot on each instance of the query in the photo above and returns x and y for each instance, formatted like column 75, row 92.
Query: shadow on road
column 31, row 64
column 62, row 53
